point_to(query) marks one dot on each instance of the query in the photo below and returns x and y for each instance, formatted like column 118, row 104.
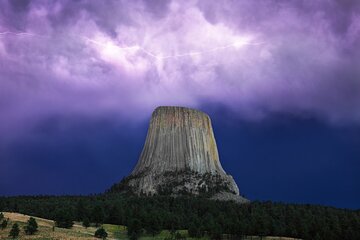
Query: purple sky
column 254, row 57
column 121, row 59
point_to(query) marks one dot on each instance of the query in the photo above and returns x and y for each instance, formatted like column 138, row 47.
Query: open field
column 47, row 232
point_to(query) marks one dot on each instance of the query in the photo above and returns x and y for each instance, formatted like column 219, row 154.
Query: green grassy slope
column 46, row 231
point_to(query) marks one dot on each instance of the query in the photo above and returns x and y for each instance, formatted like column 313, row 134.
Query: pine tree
column 215, row 232
column 80, row 210
column 101, row 233
column 14, row 232
column 194, row 230
column 4, row 224
column 97, row 215
column 152, row 224
column 63, row 219
column 134, row 229
column 134, row 236
column 178, row 235
column 86, row 222
column 114, row 215
column 173, row 222
column 31, row 226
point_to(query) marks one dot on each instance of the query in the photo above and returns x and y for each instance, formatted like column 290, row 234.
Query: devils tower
column 180, row 157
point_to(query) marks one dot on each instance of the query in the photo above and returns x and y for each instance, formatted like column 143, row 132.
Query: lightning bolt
column 134, row 47
column 26, row 34
column 215, row 49
column 235, row 45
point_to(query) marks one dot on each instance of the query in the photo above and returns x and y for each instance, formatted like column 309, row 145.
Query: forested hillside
column 200, row 216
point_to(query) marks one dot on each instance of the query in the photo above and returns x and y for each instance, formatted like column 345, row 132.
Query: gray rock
column 180, row 156
column 226, row 196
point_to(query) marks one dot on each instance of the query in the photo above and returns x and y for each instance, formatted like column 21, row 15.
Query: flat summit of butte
column 180, row 157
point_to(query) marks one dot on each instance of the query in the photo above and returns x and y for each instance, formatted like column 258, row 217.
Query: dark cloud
column 19, row 5
column 294, row 57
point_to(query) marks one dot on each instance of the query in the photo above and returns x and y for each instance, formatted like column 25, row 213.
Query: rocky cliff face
column 180, row 157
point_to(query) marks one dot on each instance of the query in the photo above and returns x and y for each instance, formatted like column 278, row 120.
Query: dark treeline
column 200, row 216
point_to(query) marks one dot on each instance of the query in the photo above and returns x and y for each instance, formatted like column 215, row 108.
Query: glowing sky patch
column 254, row 59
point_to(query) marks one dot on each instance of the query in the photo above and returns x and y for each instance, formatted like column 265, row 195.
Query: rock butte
column 180, row 156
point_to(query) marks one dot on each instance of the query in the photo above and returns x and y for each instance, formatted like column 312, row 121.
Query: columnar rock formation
column 180, row 157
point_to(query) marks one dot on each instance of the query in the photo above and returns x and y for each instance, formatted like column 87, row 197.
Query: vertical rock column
column 180, row 156
column 179, row 139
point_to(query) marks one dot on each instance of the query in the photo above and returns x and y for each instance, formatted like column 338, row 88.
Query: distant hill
column 201, row 216
column 79, row 232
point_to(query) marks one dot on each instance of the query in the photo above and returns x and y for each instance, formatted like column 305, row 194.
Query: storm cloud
column 121, row 59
